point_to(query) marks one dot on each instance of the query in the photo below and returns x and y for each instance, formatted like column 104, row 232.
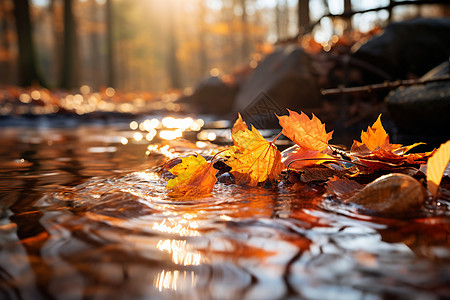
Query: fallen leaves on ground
column 194, row 177
column 436, row 166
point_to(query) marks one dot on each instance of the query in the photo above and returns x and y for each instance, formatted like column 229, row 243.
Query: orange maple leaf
column 195, row 177
column 436, row 166
column 239, row 125
column 307, row 133
column 378, row 153
column 253, row 159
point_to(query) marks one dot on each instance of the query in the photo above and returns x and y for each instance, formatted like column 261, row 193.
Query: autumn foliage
column 255, row 161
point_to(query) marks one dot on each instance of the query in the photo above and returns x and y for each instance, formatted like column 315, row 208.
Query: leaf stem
column 326, row 159
column 277, row 137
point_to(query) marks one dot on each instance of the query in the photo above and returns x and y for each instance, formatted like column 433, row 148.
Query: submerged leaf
column 436, row 166
column 194, row 177
column 253, row 159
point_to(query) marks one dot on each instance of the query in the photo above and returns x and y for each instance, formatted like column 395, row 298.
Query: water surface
column 84, row 216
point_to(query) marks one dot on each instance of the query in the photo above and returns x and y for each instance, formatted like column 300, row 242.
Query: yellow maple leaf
column 253, row 159
column 308, row 133
column 195, row 177
column 436, row 166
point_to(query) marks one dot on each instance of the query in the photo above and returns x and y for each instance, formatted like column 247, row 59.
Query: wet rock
column 212, row 96
column 424, row 108
column 407, row 48
column 285, row 77
column 391, row 194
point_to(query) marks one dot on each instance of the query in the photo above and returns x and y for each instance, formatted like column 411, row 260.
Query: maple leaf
column 376, row 152
column 307, row 133
column 239, row 125
column 436, row 166
column 253, row 159
column 195, row 177
column 374, row 138
column 310, row 136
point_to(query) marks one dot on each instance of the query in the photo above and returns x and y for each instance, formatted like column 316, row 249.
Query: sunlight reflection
column 181, row 227
column 138, row 136
column 182, row 253
column 170, row 134
column 173, row 280
column 164, row 150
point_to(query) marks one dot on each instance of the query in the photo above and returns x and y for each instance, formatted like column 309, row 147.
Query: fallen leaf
column 253, row 159
column 194, row 177
column 307, row 133
column 377, row 153
column 301, row 158
column 436, row 166
column 239, row 125
column 376, row 137
column 343, row 186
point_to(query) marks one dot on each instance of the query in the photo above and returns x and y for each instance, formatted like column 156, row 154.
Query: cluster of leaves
column 252, row 160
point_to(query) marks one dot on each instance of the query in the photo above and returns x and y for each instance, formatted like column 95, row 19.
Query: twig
column 382, row 86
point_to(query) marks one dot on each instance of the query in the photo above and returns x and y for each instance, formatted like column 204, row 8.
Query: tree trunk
column 172, row 61
column 245, row 33
column 110, row 81
column 348, row 21
column 203, row 57
column 303, row 15
column 278, row 20
column 27, row 65
column 95, row 70
column 69, row 65
column 5, row 46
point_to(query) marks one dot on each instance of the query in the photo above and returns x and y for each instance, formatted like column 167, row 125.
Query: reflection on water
column 85, row 216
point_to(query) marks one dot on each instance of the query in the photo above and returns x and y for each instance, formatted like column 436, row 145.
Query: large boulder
column 424, row 108
column 282, row 80
column 409, row 48
column 212, row 96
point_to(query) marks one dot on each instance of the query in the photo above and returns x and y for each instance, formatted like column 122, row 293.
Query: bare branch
column 388, row 85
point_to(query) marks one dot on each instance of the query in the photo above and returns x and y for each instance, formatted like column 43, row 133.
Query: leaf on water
column 342, row 186
column 377, row 153
column 310, row 136
column 436, row 166
column 194, row 177
column 253, row 159
column 308, row 133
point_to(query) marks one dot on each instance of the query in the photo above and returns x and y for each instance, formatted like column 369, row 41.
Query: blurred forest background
column 149, row 45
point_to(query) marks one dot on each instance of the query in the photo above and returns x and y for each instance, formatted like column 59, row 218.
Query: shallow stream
column 85, row 216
